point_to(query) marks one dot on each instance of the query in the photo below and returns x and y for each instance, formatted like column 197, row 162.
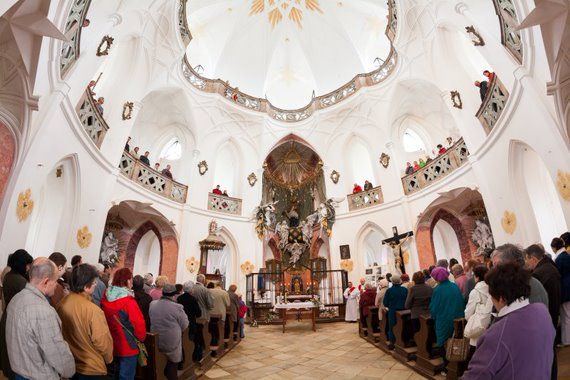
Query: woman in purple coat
column 518, row 345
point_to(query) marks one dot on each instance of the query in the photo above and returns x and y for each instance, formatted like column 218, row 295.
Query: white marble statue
column 482, row 237
column 109, row 249
column 296, row 250
column 282, row 230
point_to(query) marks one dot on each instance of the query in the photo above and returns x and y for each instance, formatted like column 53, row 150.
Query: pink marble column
column 7, row 154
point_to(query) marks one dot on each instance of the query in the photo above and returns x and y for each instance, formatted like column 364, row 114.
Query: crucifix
column 396, row 242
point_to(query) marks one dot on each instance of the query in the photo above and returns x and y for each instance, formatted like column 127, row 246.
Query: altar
column 286, row 309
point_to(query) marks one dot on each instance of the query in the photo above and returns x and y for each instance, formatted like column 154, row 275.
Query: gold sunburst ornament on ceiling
column 277, row 10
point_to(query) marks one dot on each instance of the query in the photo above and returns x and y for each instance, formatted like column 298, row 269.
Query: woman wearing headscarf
column 14, row 281
column 394, row 300
column 447, row 303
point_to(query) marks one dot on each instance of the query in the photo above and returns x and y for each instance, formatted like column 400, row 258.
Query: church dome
column 287, row 51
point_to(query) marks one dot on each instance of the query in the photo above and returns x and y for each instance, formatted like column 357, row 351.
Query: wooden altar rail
column 415, row 350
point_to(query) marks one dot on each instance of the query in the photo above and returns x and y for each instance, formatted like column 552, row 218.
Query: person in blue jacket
column 394, row 300
column 447, row 303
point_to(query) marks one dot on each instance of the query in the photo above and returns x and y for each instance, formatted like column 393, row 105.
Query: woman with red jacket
column 123, row 313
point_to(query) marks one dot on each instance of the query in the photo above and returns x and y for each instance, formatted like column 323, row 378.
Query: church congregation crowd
column 516, row 303
column 77, row 322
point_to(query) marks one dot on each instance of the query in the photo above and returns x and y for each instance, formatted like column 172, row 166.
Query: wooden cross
column 396, row 241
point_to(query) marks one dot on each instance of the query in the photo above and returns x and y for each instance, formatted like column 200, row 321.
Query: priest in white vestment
column 351, row 294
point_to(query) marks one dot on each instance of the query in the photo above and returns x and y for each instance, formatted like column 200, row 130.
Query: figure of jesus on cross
column 396, row 243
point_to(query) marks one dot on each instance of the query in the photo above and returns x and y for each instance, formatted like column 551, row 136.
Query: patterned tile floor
column 335, row 351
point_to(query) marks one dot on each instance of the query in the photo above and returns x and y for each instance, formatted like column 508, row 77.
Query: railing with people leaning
column 91, row 119
column 70, row 49
column 225, row 204
column 151, row 179
column 510, row 36
column 493, row 104
column 366, row 198
column 436, row 169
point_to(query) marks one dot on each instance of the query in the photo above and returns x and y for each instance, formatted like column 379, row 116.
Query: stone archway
column 460, row 208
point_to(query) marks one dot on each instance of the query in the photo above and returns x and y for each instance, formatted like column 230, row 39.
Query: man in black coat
column 144, row 159
column 192, row 310
column 545, row 271
column 483, row 88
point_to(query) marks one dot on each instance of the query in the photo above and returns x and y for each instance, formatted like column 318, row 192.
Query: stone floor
column 335, row 351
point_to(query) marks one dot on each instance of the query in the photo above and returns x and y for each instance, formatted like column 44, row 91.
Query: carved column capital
column 461, row 8
column 116, row 19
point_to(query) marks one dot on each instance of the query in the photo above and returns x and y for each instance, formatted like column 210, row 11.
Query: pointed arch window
column 412, row 142
column 172, row 151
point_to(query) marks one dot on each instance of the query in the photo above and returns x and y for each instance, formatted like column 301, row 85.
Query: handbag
column 142, row 356
column 457, row 349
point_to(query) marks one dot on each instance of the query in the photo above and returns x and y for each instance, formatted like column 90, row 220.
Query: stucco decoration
column 278, row 10
column 192, row 264
column 509, row 222
column 84, row 237
column 563, row 184
column 456, row 99
column 247, row 267
column 25, row 205
column 346, row 265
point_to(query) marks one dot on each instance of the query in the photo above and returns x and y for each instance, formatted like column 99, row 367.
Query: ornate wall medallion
column 128, row 110
column 385, row 160
column 509, row 222
column 456, row 99
column 277, row 10
column 252, row 179
column 475, row 36
column 105, row 46
column 25, row 205
column 84, row 237
column 202, row 167
column 247, row 267
column 335, row 176
column 192, row 264
column 346, row 265
column 563, row 185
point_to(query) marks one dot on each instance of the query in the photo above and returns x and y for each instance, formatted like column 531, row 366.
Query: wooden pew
column 216, row 327
column 455, row 369
column 206, row 362
column 156, row 362
column 229, row 332
column 383, row 342
column 373, row 325
column 428, row 360
column 362, row 329
column 186, row 368
column 405, row 348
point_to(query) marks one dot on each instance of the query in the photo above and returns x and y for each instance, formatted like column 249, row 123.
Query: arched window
column 172, row 151
column 412, row 142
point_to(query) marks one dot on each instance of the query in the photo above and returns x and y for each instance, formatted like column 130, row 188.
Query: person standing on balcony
column 416, row 166
column 166, row 172
column 490, row 76
column 483, row 87
column 225, row 193
column 217, row 190
column 99, row 104
column 144, row 159
column 356, row 189
column 441, row 150
column 422, row 163
column 367, row 185
column 127, row 146
column 409, row 168
column 157, row 167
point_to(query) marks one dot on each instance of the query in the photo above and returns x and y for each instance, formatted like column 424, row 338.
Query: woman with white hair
column 380, row 293
column 394, row 300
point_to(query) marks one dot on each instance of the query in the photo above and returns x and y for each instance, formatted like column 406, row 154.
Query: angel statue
column 265, row 218
column 109, row 253
column 296, row 250
column 482, row 237
column 282, row 230
column 327, row 213
column 307, row 231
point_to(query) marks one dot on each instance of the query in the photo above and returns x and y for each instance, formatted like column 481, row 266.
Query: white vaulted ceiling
column 286, row 49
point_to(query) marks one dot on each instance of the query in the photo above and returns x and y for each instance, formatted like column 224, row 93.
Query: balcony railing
column 510, row 37
column 493, row 105
column 183, row 23
column 263, row 105
column 436, row 169
column 364, row 199
column 392, row 26
column 149, row 178
column 91, row 119
column 70, row 50
column 225, row 204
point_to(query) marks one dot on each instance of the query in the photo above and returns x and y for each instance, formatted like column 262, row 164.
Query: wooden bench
column 186, row 368
column 383, row 341
column 229, row 332
column 154, row 370
column 428, row 360
column 206, row 361
column 405, row 348
column 455, row 369
column 372, row 325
